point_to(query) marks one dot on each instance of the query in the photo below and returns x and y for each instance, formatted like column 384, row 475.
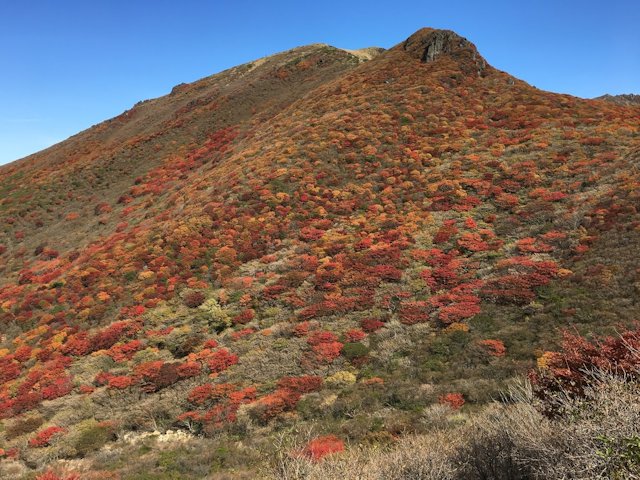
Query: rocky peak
column 428, row 44
column 626, row 99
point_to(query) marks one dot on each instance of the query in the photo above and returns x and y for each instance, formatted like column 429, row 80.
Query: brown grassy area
column 597, row 437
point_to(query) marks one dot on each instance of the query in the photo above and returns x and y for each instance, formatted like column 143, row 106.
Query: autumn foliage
column 386, row 224
column 320, row 447
column 454, row 400
column 572, row 369
column 45, row 437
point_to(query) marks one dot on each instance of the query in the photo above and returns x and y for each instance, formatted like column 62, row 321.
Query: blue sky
column 66, row 65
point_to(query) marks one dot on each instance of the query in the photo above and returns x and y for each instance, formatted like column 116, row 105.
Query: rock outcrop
column 624, row 99
column 429, row 44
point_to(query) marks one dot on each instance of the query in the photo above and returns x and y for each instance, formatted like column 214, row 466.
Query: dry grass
column 597, row 437
column 413, row 457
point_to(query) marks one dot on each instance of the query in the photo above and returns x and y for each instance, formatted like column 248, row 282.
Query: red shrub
column 137, row 310
column 355, row 335
column 56, row 387
column 330, row 272
column 445, row 233
column 327, row 352
column 473, row 242
column 168, row 375
column 273, row 291
column 22, row 353
column 123, row 352
column 10, row 453
column 387, row 273
column 25, row 402
column 77, row 345
column 86, row 389
column 189, row 369
column 285, row 398
column 470, row 223
column 121, row 382
column 507, row 201
column 201, row 394
column 414, row 312
column 9, row 369
column 221, row 360
column 149, row 370
column 157, row 375
column 245, row 316
column 302, row 329
column 242, row 333
column 112, row 334
column 102, row 378
column 592, row 141
column 320, row 447
column 533, row 245
column 51, row 475
column 300, row 385
column 101, row 209
column 495, row 348
column 454, row 400
column 325, row 345
column 194, row 299
column 44, row 437
column 567, row 371
column 309, row 234
column 273, row 405
column 453, row 307
column 322, row 337
column 370, row 325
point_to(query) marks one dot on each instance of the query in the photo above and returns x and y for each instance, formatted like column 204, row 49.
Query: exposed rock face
column 365, row 54
column 428, row 44
column 624, row 99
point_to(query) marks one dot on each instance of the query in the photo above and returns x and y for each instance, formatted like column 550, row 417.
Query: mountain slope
column 102, row 164
column 309, row 238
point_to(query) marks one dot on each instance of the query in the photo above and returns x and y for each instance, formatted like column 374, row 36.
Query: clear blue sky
column 66, row 65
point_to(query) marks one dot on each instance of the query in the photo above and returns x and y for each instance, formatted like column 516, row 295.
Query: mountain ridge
column 628, row 99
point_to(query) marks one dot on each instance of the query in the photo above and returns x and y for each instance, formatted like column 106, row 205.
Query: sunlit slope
column 309, row 238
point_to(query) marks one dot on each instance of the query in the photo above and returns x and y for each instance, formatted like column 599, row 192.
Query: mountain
column 625, row 99
column 321, row 238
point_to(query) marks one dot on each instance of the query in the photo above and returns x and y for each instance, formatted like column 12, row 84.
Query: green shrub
column 92, row 436
column 215, row 315
column 354, row 350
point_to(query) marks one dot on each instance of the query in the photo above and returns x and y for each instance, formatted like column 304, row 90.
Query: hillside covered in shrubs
column 319, row 255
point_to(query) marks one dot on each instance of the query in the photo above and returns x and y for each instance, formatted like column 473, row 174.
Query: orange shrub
column 454, row 400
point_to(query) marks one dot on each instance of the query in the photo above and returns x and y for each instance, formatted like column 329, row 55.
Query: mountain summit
column 428, row 44
column 320, row 239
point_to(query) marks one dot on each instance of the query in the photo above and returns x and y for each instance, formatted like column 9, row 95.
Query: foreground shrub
column 569, row 371
column 595, row 437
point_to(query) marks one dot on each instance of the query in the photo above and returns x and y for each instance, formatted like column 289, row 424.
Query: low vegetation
column 336, row 262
